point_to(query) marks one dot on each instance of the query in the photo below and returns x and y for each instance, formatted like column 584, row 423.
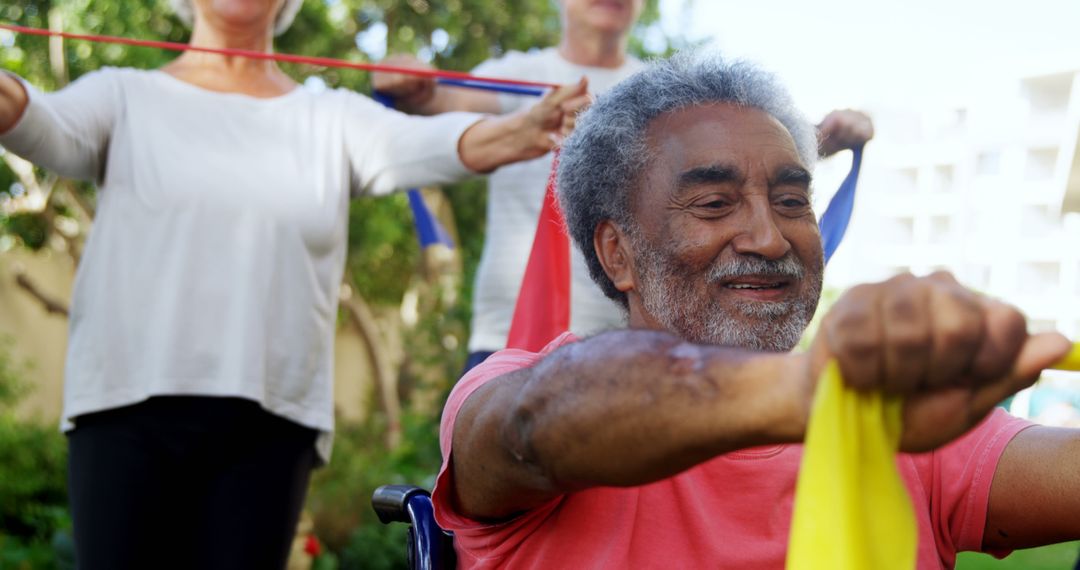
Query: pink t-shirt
column 733, row 511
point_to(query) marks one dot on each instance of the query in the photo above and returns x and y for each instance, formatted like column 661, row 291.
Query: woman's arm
column 13, row 102
column 418, row 95
column 525, row 135
column 67, row 131
column 391, row 150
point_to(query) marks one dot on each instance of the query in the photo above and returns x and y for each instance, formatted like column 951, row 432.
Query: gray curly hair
column 185, row 10
column 602, row 161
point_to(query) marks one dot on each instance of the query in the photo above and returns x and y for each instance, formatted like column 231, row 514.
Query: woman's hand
column 844, row 129
column 13, row 101
column 525, row 135
column 951, row 353
column 411, row 93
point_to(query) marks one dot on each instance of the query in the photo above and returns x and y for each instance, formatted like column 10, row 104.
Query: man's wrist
column 788, row 394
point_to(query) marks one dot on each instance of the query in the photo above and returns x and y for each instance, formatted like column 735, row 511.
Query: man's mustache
column 788, row 267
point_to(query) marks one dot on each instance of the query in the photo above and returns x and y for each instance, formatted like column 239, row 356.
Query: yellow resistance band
column 852, row 510
column 1072, row 361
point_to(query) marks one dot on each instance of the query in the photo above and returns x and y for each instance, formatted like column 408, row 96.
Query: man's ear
column 612, row 247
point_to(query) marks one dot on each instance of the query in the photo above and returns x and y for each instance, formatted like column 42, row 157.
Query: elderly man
column 673, row 444
column 595, row 34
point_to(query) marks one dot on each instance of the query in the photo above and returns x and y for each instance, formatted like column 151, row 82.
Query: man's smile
column 759, row 287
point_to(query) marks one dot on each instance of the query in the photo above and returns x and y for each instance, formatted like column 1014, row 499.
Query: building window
column 1040, row 164
column 988, row 163
column 1037, row 221
column 1039, row 278
column 940, row 229
column 943, row 178
column 898, row 231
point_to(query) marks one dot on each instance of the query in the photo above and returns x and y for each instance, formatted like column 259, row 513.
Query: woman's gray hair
column 185, row 10
column 602, row 161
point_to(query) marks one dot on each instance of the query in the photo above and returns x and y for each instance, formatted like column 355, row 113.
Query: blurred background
column 975, row 168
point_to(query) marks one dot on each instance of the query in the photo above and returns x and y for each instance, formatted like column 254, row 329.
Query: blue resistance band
column 834, row 222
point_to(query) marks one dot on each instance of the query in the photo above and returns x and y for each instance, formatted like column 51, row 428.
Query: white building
column 987, row 188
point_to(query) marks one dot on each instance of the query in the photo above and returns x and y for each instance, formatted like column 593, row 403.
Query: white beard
column 669, row 297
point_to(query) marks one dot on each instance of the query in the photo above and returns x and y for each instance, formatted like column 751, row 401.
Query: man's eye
column 712, row 202
column 793, row 205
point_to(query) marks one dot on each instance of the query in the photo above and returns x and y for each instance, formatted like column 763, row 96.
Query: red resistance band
column 320, row 61
column 543, row 304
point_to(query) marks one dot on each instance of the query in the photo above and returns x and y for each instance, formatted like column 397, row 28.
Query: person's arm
column 424, row 96
column 391, row 150
column 622, row 408
column 532, row 133
column 632, row 407
column 66, row 131
column 13, row 101
column 1035, row 496
column 844, row 129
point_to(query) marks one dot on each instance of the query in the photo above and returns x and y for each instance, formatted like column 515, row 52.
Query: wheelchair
column 429, row 547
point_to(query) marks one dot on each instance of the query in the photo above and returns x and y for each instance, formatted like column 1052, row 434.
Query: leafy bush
column 340, row 496
column 33, row 489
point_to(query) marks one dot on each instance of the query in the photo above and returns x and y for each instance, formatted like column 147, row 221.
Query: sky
column 852, row 53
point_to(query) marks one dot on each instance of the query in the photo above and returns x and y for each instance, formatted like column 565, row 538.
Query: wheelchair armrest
column 428, row 547
column 391, row 502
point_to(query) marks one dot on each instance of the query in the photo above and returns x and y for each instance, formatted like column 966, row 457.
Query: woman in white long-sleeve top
column 198, row 394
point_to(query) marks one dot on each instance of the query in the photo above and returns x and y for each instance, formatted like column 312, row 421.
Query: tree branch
column 51, row 305
column 385, row 378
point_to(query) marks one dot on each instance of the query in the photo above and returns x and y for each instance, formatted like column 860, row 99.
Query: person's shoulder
column 516, row 62
column 510, row 359
column 339, row 99
column 502, row 363
column 115, row 75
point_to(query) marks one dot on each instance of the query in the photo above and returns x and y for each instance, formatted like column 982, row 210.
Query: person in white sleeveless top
column 593, row 46
column 198, row 392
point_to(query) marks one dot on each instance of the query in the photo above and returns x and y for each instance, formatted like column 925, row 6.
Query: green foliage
column 1057, row 557
column 30, row 228
column 340, row 495
column 382, row 243
column 33, row 490
column 12, row 385
column 18, row 554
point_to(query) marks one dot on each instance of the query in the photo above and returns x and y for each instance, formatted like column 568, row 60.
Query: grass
column 1056, row 557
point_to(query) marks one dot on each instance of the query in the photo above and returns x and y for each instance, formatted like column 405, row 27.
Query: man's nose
column 759, row 234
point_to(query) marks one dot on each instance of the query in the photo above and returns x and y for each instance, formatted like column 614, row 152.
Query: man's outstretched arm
column 620, row 409
column 1035, row 496
column 632, row 407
